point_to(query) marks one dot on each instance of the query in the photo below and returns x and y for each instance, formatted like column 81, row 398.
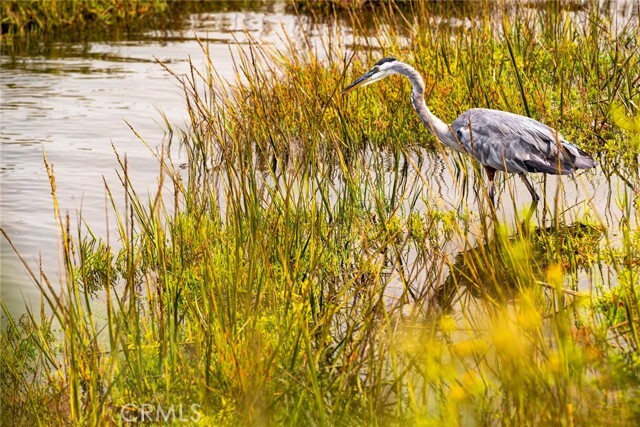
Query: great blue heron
column 499, row 140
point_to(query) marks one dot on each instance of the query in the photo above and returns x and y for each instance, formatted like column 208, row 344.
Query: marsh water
column 75, row 103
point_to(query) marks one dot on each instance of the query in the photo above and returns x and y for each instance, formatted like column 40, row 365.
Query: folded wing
column 512, row 143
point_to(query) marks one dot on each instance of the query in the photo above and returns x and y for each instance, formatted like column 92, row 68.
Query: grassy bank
column 21, row 18
column 304, row 269
column 27, row 25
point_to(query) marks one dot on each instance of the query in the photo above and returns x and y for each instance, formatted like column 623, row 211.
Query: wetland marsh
column 274, row 253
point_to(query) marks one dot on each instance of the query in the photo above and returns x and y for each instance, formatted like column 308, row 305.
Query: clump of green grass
column 301, row 269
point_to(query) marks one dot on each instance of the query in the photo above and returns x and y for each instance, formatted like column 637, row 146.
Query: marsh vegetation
column 320, row 260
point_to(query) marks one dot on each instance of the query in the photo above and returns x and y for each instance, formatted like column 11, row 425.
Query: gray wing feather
column 513, row 143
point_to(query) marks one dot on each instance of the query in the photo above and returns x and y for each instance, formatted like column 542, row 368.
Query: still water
column 76, row 104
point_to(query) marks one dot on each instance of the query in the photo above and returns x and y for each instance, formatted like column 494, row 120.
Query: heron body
column 499, row 140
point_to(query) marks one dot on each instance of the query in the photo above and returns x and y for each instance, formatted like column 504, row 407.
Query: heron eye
column 375, row 69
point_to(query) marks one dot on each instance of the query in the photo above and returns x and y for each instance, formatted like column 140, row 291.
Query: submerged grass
column 303, row 268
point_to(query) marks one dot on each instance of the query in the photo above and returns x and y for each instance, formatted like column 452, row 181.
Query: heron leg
column 491, row 173
column 534, row 195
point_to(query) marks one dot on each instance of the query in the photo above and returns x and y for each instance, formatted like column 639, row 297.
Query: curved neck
column 437, row 127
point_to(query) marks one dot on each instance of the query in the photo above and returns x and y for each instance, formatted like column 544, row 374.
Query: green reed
column 305, row 269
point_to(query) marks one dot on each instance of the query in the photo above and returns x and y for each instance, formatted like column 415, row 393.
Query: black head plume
column 385, row 60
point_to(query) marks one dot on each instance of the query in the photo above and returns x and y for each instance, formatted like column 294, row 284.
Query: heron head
column 379, row 71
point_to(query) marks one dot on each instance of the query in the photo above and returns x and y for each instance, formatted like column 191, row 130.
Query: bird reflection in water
column 499, row 269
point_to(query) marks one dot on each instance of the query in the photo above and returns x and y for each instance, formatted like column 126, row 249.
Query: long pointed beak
column 361, row 81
